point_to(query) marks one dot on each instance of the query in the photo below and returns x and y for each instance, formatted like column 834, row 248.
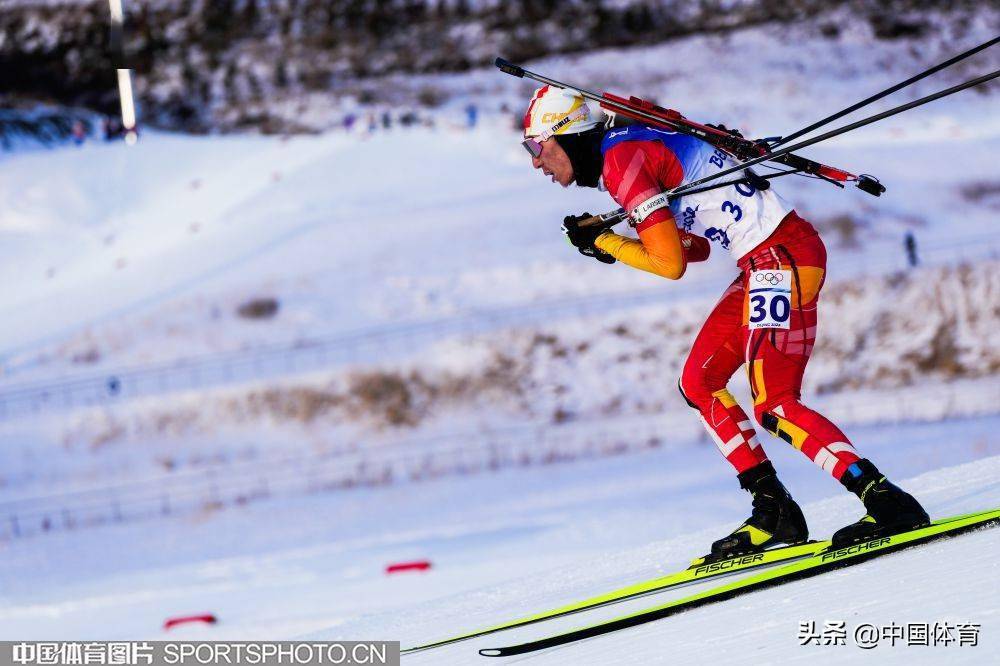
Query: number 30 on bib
column 770, row 293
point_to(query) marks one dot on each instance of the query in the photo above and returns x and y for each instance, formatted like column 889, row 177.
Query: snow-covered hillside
column 897, row 348
column 124, row 256
column 479, row 340
column 458, row 230
column 111, row 277
column 275, row 67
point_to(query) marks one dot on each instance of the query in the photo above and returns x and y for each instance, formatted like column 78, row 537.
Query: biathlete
column 765, row 320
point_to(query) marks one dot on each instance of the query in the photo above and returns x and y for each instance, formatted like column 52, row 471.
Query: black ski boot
column 776, row 518
column 890, row 509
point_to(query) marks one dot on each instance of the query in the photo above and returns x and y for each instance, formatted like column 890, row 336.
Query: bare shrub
column 258, row 308
column 846, row 227
column 113, row 431
column 431, row 96
column 384, row 396
column 942, row 355
column 889, row 25
column 621, row 330
column 562, row 415
column 983, row 193
column 301, row 403
column 87, row 356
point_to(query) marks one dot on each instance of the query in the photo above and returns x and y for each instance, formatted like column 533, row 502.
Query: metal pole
column 884, row 93
column 836, row 132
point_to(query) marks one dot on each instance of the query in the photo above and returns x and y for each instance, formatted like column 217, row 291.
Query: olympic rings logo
column 771, row 278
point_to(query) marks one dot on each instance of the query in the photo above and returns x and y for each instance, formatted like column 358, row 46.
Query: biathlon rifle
column 752, row 152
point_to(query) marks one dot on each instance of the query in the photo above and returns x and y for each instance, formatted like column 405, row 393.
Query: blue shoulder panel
column 684, row 147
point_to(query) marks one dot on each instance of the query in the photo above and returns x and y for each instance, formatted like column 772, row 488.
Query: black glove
column 583, row 238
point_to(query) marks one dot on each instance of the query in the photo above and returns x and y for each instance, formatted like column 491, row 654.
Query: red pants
column 775, row 360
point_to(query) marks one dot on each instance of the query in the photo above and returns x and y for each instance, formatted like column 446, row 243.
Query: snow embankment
column 109, row 275
column 876, row 334
column 952, row 581
column 503, row 545
column 914, row 347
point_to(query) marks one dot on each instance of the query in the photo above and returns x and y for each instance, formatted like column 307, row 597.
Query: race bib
column 770, row 293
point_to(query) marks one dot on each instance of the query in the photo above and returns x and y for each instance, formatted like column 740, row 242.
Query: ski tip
column 491, row 652
column 508, row 67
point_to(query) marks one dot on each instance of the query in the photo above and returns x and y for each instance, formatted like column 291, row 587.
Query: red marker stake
column 206, row 618
column 416, row 565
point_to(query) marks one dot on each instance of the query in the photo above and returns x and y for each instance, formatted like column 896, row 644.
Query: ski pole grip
column 509, row 68
column 605, row 221
column 592, row 221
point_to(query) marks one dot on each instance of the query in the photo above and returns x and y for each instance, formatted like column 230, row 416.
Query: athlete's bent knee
column 680, row 387
column 768, row 413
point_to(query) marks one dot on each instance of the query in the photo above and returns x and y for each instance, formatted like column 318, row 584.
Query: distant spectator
column 372, row 123
column 910, row 242
column 386, row 120
column 79, row 132
column 349, row 121
column 113, row 128
column 471, row 115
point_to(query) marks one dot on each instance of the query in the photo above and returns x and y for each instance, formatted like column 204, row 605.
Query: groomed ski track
column 955, row 581
column 833, row 633
column 932, row 583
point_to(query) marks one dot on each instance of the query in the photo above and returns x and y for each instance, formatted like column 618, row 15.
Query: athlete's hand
column 695, row 248
column 583, row 238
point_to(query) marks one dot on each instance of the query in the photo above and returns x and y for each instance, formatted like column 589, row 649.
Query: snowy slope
column 120, row 257
column 955, row 581
column 115, row 257
column 502, row 545
column 205, row 224
column 125, row 256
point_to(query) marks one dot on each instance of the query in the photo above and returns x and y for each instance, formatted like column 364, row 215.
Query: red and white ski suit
column 763, row 234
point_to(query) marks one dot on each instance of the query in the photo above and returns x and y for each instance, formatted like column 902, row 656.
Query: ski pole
column 520, row 72
column 888, row 91
column 837, row 132
column 676, row 122
column 610, row 219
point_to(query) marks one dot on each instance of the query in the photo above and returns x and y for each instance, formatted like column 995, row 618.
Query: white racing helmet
column 555, row 111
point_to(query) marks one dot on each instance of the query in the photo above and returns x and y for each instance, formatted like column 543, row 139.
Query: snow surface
column 114, row 257
column 519, row 541
column 110, row 277
column 154, row 271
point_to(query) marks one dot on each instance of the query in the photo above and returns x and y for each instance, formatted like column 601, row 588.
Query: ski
column 700, row 570
column 825, row 560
